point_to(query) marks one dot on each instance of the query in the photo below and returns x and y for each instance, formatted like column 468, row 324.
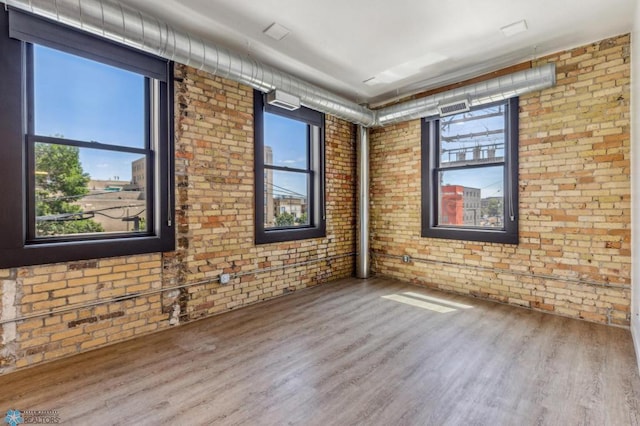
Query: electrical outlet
column 225, row 278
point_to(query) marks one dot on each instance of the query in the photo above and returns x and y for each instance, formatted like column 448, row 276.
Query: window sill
column 283, row 235
column 54, row 252
column 479, row 235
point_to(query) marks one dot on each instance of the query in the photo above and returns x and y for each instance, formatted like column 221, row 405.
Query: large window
column 469, row 174
column 289, row 160
column 86, row 153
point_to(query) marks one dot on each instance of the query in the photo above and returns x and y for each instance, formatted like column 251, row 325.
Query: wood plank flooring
column 342, row 354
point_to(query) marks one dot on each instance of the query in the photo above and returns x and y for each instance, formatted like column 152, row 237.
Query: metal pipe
column 499, row 88
column 124, row 24
column 128, row 26
column 362, row 250
column 533, row 275
column 117, row 299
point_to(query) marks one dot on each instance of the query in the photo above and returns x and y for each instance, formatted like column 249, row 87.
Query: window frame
column 316, row 198
column 430, row 145
column 18, row 247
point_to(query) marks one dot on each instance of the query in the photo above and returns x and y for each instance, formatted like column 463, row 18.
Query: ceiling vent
column 276, row 31
column 283, row 100
column 515, row 28
column 455, row 107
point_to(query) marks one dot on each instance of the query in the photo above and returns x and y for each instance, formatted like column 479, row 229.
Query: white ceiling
column 338, row 44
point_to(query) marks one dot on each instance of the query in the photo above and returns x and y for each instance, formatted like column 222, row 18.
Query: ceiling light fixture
column 276, row 31
column 515, row 28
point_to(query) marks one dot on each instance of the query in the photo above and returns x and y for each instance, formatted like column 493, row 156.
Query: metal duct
column 485, row 92
column 362, row 249
column 130, row 27
column 126, row 25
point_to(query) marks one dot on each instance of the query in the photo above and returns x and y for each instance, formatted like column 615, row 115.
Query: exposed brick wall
column 214, row 217
column 60, row 286
column 573, row 257
column 215, row 183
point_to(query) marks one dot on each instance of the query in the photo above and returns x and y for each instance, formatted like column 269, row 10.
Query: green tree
column 302, row 220
column 285, row 219
column 60, row 182
column 493, row 207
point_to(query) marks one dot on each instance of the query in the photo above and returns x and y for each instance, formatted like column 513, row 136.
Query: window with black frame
column 469, row 176
column 289, row 157
column 86, row 143
column 91, row 155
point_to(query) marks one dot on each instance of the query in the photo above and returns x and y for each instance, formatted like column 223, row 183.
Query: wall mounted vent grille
column 454, row 107
column 283, row 100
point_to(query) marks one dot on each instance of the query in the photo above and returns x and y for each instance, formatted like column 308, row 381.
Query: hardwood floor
column 342, row 354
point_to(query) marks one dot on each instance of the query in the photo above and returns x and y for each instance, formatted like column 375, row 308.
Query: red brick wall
column 573, row 257
column 214, row 214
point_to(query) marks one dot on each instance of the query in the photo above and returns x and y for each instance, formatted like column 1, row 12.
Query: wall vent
column 455, row 107
column 283, row 100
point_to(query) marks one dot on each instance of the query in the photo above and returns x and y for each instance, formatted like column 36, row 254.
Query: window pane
column 80, row 99
column 471, row 197
column 285, row 142
column 82, row 190
column 472, row 137
column 285, row 199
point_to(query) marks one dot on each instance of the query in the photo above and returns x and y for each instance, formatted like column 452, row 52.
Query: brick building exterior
column 460, row 205
column 139, row 174
column 452, row 205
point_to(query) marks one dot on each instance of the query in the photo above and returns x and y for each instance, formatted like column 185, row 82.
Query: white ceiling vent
column 276, row 31
column 283, row 100
column 455, row 107
column 515, row 28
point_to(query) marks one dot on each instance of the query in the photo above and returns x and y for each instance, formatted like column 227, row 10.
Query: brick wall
column 573, row 257
column 214, row 215
column 215, row 156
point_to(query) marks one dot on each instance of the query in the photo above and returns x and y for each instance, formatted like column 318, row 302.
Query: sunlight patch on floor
column 438, row 300
column 427, row 302
column 419, row 303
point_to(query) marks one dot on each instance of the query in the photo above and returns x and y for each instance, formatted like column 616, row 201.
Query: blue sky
column 287, row 139
column 77, row 98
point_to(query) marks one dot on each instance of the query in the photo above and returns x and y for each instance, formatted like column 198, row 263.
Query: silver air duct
column 485, row 92
column 132, row 28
